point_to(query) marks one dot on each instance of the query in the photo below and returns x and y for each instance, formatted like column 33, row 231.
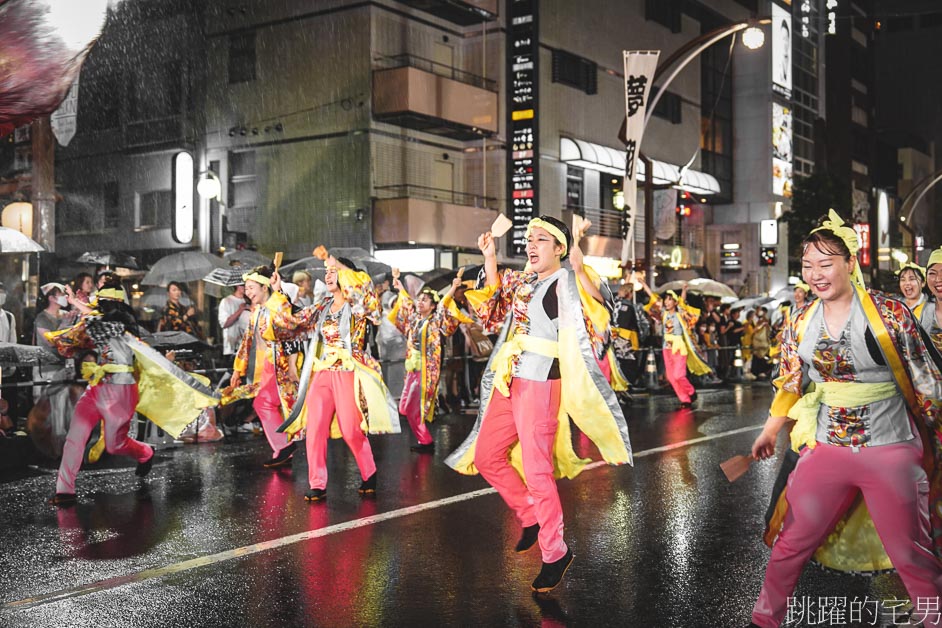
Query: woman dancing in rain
column 424, row 322
column 681, row 349
column 173, row 400
column 545, row 365
column 269, row 366
column 339, row 379
column 858, row 380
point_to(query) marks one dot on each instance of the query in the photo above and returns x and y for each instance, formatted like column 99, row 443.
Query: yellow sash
column 503, row 362
column 331, row 356
column 835, row 394
column 94, row 373
column 413, row 361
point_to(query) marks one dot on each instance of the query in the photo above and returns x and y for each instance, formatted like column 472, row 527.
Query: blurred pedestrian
column 233, row 317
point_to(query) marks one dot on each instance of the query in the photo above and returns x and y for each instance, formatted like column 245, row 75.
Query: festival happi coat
column 168, row 395
column 250, row 362
column 337, row 343
column 586, row 395
column 678, row 336
column 424, row 339
column 854, row 545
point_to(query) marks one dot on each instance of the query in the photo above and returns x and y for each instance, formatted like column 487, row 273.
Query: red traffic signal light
column 767, row 256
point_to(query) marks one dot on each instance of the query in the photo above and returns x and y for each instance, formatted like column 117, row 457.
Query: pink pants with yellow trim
column 821, row 489
column 267, row 404
column 115, row 403
column 410, row 406
column 333, row 392
column 529, row 415
column 675, row 368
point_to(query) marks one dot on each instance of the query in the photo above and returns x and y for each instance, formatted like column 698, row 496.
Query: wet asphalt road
column 212, row 539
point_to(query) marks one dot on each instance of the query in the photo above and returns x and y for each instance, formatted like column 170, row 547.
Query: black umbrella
column 109, row 258
column 175, row 340
column 441, row 278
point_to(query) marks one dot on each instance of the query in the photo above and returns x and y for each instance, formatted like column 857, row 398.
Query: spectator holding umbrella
column 233, row 319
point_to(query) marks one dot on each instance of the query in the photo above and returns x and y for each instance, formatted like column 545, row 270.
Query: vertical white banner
column 640, row 66
column 64, row 120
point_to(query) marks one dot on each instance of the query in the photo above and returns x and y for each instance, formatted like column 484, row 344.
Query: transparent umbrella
column 109, row 258
column 701, row 285
column 12, row 241
column 246, row 258
column 185, row 266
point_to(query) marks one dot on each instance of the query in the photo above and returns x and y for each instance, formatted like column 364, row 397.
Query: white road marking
column 256, row 548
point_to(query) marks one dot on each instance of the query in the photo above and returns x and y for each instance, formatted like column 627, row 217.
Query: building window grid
column 717, row 129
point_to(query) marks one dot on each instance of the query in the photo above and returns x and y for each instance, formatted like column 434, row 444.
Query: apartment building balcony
column 606, row 235
column 418, row 215
column 463, row 12
column 421, row 94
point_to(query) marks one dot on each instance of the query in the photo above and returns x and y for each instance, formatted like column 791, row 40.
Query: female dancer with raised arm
column 341, row 393
column 545, row 366
column 424, row 322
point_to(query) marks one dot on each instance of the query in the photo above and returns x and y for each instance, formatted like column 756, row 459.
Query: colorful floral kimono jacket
column 892, row 334
column 337, row 343
column 678, row 336
column 424, row 340
column 586, row 395
column 257, row 347
column 174, row 319
column 925, row 315
column 168, row 395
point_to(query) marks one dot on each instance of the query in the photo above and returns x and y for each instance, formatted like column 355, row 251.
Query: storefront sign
column 523, row 45
column 781, row 150
column 781, row 50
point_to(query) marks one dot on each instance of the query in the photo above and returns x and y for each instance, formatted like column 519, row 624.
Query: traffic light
column 683, row 205
column 767, row 256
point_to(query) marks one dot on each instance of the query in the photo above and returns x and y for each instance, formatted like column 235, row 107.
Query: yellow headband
column 261, row 279
column 934, row 258
column 113, row 294
column 803, row 286
column 916, row 267
column 835, row 224
column 553, row 230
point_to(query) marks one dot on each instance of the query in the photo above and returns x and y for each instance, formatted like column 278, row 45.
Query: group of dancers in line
column 859, row 386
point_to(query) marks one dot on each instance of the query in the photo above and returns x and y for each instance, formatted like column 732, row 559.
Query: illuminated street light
column 209, row 187
column 753, row 38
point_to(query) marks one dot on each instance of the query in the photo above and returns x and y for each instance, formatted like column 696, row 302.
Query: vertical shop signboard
column 523, row 51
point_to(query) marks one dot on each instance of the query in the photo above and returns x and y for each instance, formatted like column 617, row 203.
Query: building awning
column 597, row 157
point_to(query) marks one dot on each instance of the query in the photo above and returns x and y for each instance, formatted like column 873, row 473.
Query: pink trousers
column 267, row 404
column 410, row 406
column 333, row 392
column 675, row 367
column 115, row 404
column 820, row 490
column 529, row 415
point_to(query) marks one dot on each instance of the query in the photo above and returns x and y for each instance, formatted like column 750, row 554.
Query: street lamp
column 209, row 187
column 753, row 39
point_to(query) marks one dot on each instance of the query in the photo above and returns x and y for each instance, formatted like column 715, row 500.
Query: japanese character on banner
column 630, row 154
column 635, row 88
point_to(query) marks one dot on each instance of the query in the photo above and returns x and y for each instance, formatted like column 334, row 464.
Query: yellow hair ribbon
column 916, row 267
column 259, row 279
column 934, row 258
column 555, row 231
column 835, row 224
column 113, row 294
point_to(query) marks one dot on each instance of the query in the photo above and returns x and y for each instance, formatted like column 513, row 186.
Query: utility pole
column 43, row 184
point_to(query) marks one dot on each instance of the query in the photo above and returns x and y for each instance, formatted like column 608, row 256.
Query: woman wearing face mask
column 424, row 322
column 341, row 393
column 549, row 362
column 866, row 398
column 50, row 305
column 681, row 350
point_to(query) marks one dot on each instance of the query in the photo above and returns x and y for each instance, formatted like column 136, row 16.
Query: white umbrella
column 13, row 241
column 700, row 285
column 247, row 258
column 183, row 267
